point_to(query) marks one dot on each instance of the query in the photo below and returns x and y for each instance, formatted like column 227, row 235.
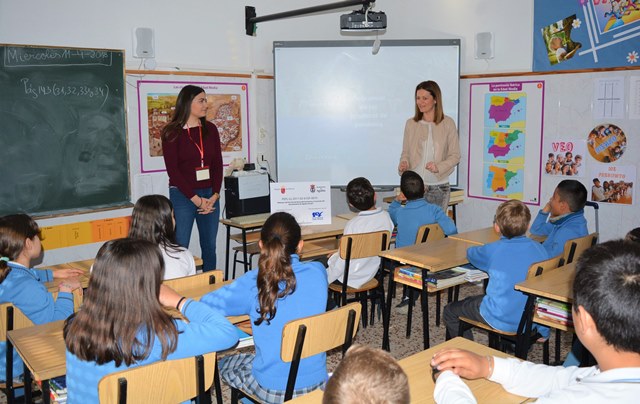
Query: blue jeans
column 186, row 212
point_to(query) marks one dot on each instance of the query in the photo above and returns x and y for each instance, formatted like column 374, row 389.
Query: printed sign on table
column 308, row 202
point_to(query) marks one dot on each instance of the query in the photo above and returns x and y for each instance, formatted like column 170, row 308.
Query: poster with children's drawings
column 612, row 183
column 564, row 157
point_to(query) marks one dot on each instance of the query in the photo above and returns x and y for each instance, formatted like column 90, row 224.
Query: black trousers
column 469, row 307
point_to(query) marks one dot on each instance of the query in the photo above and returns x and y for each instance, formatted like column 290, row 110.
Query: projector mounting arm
column 251, row 20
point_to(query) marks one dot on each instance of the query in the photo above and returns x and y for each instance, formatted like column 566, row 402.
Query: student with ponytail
column 23, row 286
column 280, row 290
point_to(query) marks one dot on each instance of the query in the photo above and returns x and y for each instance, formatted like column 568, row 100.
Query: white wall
column 208, row 35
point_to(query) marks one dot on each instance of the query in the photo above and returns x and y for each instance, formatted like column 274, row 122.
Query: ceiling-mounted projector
column 363, row 21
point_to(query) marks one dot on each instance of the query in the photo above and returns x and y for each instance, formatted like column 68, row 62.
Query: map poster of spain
column 505, row 140
column 227, row 109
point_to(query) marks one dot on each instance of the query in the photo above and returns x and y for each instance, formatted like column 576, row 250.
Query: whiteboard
column 341, row 110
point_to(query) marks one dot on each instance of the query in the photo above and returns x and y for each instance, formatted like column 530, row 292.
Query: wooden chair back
column 429, row 232
column 310, row 336
column 195, row 281
column 11, row 318
column 537, row 268
column 172, row 381
column 575, row 247
column 363, row 245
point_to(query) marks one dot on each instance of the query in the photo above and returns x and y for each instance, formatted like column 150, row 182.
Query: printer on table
column 246, row 193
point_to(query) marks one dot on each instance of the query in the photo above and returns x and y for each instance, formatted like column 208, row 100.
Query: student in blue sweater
column 23, row 286
column 507, row 262
column 562, row 218
column 415, row 213
column 123, row 322
column 280, row 290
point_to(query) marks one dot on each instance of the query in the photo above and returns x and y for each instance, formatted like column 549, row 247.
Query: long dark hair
column 14, row 231
column 280, row 236
column 121, row 314
column 434, row 89
column 152, row 220
column 182, row 112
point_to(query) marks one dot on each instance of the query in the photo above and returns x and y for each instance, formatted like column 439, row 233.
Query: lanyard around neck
column 200, row 147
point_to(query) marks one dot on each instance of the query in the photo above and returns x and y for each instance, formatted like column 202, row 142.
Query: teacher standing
column 192, row 155
column 430, row 146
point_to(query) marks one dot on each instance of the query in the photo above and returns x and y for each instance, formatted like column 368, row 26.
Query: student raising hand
column 463, row 363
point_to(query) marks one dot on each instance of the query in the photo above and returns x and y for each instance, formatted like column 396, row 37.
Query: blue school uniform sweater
column 573, row 225
column 414, row 214
column 309, row 298
column 23, row 287
column 507, row 262
column 207, row 331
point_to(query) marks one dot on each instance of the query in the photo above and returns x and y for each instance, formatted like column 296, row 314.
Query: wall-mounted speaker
column 484, row 45
column 143, row 43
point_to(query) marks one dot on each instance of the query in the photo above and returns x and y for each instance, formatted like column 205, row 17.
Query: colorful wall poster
column 505, row 140
column 606, row 143
column 585, row 34
column 564, row 157
column 612, row 183
column 228, row 109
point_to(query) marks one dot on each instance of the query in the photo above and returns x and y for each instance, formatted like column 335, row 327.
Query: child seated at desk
column 367, row 375
column 562, row 218
column 123, row 322
column 22, row 285
column 361, row 196
column 606, row 317
column 415, row 213
column 282, row 289
column 507, row 262
column 153, row 220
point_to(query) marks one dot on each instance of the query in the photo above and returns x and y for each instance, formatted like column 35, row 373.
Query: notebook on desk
column 260, row 217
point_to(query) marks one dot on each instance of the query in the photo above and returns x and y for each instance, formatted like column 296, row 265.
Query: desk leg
column 425, row 310
column 244, row 251
column 438, row 309
column 524, row 329
column 27, row 385
column 453, row 211
column 386, row 320
column 46, row 393
column 226, row 261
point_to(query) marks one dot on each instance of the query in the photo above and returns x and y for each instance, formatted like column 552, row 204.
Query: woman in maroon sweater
column 193, row 157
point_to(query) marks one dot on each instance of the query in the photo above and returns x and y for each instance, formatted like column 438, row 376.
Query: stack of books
column 555, row 311
column 457, row 195
column 58, row 390
column 442, row 279
column 475, row 275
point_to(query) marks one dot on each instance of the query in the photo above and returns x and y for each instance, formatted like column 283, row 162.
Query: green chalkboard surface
column 63, row 133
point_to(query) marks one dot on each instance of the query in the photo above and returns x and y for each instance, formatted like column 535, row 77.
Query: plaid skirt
column 235, row 370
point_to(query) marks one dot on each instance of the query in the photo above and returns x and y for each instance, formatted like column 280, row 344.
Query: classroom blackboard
column 63, row 132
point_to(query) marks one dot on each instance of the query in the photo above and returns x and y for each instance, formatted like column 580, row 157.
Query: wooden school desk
column 421, row 385
column 432, row 256
column 43, row 351
column 335, row 229
column 556, row 284
column 487, row 235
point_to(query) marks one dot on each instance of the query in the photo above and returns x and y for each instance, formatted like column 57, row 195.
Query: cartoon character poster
column 585, row 34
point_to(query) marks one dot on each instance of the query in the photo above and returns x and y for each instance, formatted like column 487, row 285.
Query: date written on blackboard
column 57, row 90
column 24, row 57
